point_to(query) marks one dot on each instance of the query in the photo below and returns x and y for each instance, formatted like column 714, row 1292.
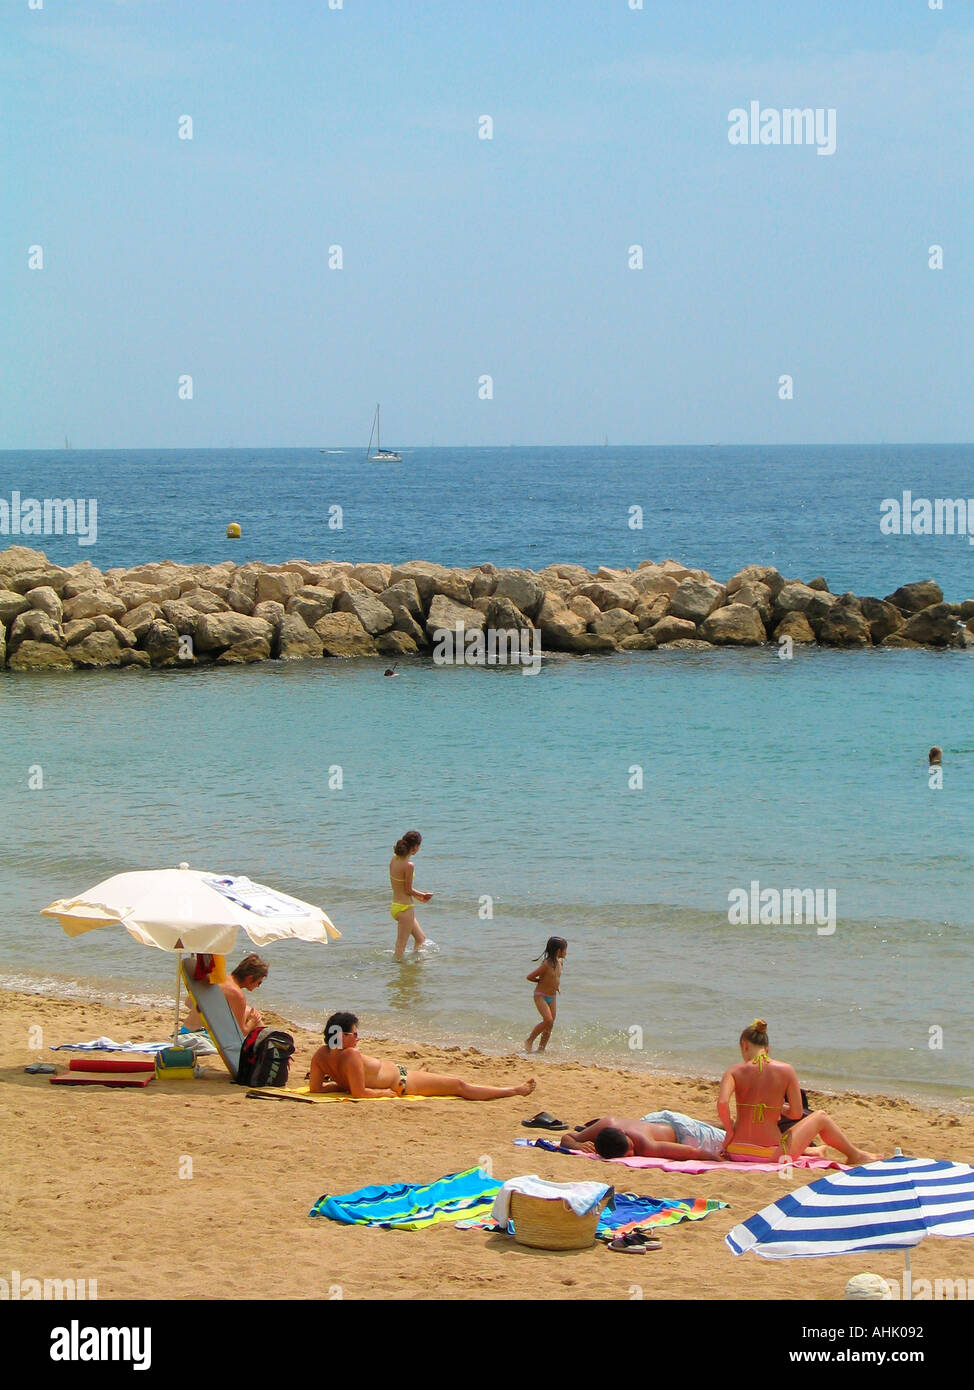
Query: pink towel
column 693, row 1165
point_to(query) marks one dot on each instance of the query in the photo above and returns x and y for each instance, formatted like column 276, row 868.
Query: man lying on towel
column 339, row 1066
column 661, row 1134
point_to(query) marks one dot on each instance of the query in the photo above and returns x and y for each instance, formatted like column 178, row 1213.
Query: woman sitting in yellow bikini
column 761, row 1087
column 403, row 893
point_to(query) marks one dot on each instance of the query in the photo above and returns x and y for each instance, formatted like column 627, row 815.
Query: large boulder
column 606, row 596
column 218, row 631
column 371, row 612
column 160, row 641
column 423, row 574
column 796, row 626
column 651, row 580
column 503, row 615
column 204, row 600
column 523, row 588
column 615, row 623
column 585, row 608
column 445, row 613
column 77, row 630
column 403, row 597
column 575, row 574
column 453, row 586
column 311, row 603
column 695, row 600
column 45, row 600
column 912, row 598
column 650, row 609
column 96, row 650
column 242, row 592
column 103, row 623
column 40, row 656
column 396, row 643
column 934, row 626
column 241, row 653
column 131, row 657
column 756, row 574
column 297, row 640
column 883, row 618
column 736, row 625
column 183, row 618
column 135, row 595
column 19, row 559
column 688, row 644
column 795, row 597
column 670, row 629
column 277, row 587
column 756, row 595
column 35, row 626
column 11, row 604
column 642, row 642
column 271, row 612
column 410, row 628
column 845, row 625
column 92, row 602
column 138, row 619
column 343, row 635
column 564, row 631
column 374, row 577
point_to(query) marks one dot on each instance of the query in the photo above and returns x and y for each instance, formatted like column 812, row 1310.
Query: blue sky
column 463, row 257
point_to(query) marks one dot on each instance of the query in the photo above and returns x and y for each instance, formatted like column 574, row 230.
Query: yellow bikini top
column 759, row 1107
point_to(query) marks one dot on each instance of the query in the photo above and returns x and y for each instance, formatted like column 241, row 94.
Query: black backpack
column 265, row 1057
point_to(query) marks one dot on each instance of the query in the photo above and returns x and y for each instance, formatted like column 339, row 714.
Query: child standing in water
column 547, row 982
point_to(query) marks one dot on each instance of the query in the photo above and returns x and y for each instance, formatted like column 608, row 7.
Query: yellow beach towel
column 303, row 1093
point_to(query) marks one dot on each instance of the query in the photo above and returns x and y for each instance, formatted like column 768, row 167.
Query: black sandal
column 543, row 1121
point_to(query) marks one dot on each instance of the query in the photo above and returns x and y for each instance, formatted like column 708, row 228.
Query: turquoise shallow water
column 808, row 774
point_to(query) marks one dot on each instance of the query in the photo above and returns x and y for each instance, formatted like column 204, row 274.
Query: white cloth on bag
column 580, row 1196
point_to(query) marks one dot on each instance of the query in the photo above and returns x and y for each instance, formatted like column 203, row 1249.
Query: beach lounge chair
column 211, row 1004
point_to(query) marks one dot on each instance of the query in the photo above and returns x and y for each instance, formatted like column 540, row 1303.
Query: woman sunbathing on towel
column 761, row 1089
column 339, row 1066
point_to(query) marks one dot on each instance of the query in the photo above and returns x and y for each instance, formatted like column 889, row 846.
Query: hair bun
column 760, row 1024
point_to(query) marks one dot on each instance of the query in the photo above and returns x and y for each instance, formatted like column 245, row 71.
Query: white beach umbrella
column 889, row 1205
column 190, row 910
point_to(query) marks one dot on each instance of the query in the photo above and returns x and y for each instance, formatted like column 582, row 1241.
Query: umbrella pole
column 179, row 980
column 907, row 1281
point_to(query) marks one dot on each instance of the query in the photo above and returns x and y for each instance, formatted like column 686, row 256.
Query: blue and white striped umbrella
column 889, row 1205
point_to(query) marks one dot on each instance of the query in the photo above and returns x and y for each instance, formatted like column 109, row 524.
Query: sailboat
column 381, row 455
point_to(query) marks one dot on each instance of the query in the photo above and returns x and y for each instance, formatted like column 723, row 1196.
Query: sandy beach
column 92, row 1185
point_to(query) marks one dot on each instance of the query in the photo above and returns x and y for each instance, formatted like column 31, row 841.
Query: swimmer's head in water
column 251, row 968
column 756, row 1034
column 612, row 1143
column 935, row 756
column 336, row 1028
column 409, row 843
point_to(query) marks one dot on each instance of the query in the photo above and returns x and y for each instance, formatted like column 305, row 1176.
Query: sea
column 626, row 803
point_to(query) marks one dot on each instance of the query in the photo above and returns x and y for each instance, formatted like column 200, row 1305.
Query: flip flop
column 543, row 1121
column 47, row 1068
column 635, row 1242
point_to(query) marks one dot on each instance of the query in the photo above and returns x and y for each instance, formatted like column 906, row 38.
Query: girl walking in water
column 401, row 878
column 547, row 982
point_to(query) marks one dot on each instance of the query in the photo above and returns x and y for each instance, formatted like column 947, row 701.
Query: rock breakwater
column 170, row 615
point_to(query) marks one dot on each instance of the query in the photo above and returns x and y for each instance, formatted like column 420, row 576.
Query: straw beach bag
column 550, row 1224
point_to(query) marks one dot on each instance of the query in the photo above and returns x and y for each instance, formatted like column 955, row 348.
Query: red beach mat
column 103, row 1064
column 102, row 1078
